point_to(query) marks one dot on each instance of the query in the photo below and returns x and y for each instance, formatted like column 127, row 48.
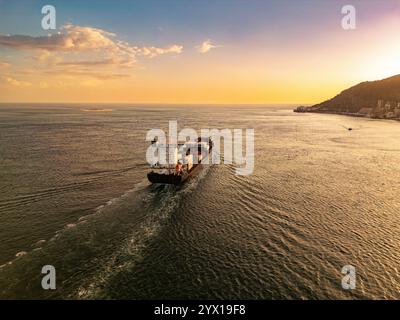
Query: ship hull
column 177, row 179
column 174, row 179
column 164, row 178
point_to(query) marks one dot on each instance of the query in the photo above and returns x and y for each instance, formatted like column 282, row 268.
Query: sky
column 187, row 51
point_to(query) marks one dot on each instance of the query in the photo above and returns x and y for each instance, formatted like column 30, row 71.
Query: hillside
column 375, row 99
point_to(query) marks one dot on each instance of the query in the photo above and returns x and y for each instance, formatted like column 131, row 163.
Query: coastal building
column 366, row 111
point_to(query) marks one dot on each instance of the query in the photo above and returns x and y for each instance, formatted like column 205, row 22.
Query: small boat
column 188, row 158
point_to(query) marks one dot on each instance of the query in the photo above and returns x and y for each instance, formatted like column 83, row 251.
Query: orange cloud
column 100, row 46
column 16, row 83
column 4, row 64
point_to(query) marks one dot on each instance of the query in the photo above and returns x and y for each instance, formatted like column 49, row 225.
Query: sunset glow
column 176, row 52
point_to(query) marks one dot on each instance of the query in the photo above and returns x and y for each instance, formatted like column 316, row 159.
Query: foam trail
column 133, row 248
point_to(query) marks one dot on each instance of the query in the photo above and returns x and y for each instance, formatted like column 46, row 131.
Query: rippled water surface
column 74, row 194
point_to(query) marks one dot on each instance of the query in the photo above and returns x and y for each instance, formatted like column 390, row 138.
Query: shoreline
column 349, row 114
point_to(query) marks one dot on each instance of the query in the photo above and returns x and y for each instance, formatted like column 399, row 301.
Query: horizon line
column 166, row 103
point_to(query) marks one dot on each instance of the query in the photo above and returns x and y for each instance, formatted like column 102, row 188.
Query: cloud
column 100, row 47
column 102, row 62
column 43, row 85
column 16, row 83
column 206, row 46
column 74, row 56
column 4, row 64
column 87, row 74
column 75, row 38
column 91, row 83
column 153, row 51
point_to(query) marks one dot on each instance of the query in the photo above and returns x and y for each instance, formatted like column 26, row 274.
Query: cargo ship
column 185, row 160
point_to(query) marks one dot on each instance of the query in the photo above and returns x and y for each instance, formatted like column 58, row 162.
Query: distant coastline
column 97, row 110
column 303, row 109
column 376, row 99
